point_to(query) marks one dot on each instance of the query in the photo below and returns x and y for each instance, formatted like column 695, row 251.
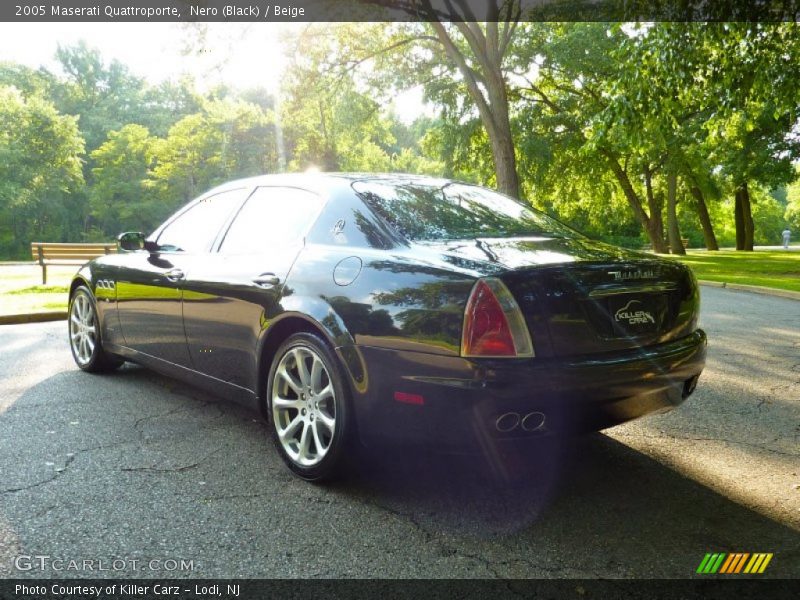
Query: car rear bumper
column 454, row 402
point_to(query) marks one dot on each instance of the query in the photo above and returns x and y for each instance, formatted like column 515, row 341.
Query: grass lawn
column 22, row 292
column 769, row 268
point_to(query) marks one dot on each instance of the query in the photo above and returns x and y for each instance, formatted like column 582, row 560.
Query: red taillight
column 493, row 323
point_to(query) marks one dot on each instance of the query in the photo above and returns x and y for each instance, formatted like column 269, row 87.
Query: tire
column 84, row 334
column 309, row 408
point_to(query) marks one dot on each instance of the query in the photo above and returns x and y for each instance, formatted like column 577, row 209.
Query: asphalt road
column 136, row 467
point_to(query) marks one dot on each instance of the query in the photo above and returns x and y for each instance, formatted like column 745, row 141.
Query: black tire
column 83, row 323
column 314, row 410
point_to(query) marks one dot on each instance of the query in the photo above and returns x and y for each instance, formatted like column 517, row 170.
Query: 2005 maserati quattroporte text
column 348, row 307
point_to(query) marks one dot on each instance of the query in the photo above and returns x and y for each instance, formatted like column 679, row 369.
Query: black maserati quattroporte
column 348, row 307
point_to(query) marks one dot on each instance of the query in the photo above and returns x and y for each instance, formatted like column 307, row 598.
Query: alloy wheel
column 303, row 406
column 82, row 329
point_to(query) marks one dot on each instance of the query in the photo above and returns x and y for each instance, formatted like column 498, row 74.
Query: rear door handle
column 267, row 280
column 175, row 275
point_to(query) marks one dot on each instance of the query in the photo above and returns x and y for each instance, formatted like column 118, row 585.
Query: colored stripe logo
column 734, row 563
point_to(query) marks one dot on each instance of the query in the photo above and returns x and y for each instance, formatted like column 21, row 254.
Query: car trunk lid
column 582, row 297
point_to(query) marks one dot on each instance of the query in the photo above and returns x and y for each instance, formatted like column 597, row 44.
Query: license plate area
column 635, row 315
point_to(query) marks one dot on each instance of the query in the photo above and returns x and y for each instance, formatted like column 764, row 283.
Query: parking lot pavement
column 138, row 468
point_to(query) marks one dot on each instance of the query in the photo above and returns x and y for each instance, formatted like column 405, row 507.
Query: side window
column 271, row 216
column 194, row 231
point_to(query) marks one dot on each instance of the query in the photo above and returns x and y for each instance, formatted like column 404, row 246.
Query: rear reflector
column 493, row 323
column 409, row 398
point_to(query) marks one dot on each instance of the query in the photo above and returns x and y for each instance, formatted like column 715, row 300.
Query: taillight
column 493, row 323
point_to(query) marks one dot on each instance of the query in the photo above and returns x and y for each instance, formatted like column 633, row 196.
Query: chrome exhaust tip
column 507, row 422
column 533, row 421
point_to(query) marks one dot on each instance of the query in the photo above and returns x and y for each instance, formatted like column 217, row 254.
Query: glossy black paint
column 393, row 311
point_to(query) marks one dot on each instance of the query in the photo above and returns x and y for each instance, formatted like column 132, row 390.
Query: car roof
column 319, row 181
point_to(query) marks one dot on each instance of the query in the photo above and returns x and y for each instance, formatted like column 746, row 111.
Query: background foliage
column 632, row 134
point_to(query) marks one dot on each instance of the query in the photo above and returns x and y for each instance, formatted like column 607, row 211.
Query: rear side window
column 272, row 216
column 195, row 230
column 424, row 212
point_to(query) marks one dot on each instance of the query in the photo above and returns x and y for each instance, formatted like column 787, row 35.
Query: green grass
column 22, row 292
column 40, row 289
column 769, row 268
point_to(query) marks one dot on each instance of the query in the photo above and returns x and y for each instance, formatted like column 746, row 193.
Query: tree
column 228, row 139
column 468, row 57
column 31, row 82
column 40, row 161
column 118, row 199
column 103, row 97
column 669, row 107
column 485, row 79
column 739, row 74
column 578, row 118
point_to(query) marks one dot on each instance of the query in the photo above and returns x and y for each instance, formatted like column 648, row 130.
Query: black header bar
column 396, row 10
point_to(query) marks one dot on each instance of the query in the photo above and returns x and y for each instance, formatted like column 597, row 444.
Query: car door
column 232, row 296
column 149, row 284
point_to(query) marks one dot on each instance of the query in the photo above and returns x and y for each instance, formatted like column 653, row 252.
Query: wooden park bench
column 50, row 253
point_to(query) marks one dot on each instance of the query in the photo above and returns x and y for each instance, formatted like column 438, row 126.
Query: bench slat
column 71, row 256
column 75, row 245
column 76, row 249
column 69, row 251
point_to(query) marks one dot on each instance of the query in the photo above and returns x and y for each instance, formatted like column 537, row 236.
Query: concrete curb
column 756, row 289
column 39, row 317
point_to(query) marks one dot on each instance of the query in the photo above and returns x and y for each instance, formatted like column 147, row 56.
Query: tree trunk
column 487, row 87
column 738, row 219
column 743, row 217
column 505, row 160
column 705, row 219
column 652, row 227
column 747, row 215
column 656, row 205
column 673, row 231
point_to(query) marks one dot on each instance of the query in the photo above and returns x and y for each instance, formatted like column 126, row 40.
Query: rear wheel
column 309, row 407
column 84, row 334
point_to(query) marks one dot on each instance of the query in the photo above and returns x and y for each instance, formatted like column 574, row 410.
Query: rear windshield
column 454, row 211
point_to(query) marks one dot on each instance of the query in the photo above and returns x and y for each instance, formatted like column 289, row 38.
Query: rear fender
column 313, row 314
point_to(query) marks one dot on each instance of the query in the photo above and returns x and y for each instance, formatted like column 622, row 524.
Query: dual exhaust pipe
column 532, row 422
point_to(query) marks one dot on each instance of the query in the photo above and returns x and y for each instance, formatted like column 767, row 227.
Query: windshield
column 422, row 212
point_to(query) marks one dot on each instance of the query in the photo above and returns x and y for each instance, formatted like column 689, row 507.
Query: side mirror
column 131, row 241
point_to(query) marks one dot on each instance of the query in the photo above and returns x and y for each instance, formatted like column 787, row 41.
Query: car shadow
column 582, row 496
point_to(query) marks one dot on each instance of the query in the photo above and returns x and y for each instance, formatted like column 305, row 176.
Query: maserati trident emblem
column 630, row 275
column 629, row 314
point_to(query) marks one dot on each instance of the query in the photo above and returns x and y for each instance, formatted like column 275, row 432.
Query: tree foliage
column 633, row 133
column 39, row 163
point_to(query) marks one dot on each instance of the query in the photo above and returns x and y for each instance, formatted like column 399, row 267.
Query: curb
column 756, row 289
column 39, row 317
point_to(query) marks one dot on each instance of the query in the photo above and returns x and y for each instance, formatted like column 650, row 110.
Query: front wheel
column 309, row 407
column 84, row 334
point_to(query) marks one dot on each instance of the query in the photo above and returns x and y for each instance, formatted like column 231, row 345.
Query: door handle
column 175, row 275
column 266, row 280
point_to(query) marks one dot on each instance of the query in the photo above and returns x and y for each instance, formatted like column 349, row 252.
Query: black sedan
column 351, row 307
